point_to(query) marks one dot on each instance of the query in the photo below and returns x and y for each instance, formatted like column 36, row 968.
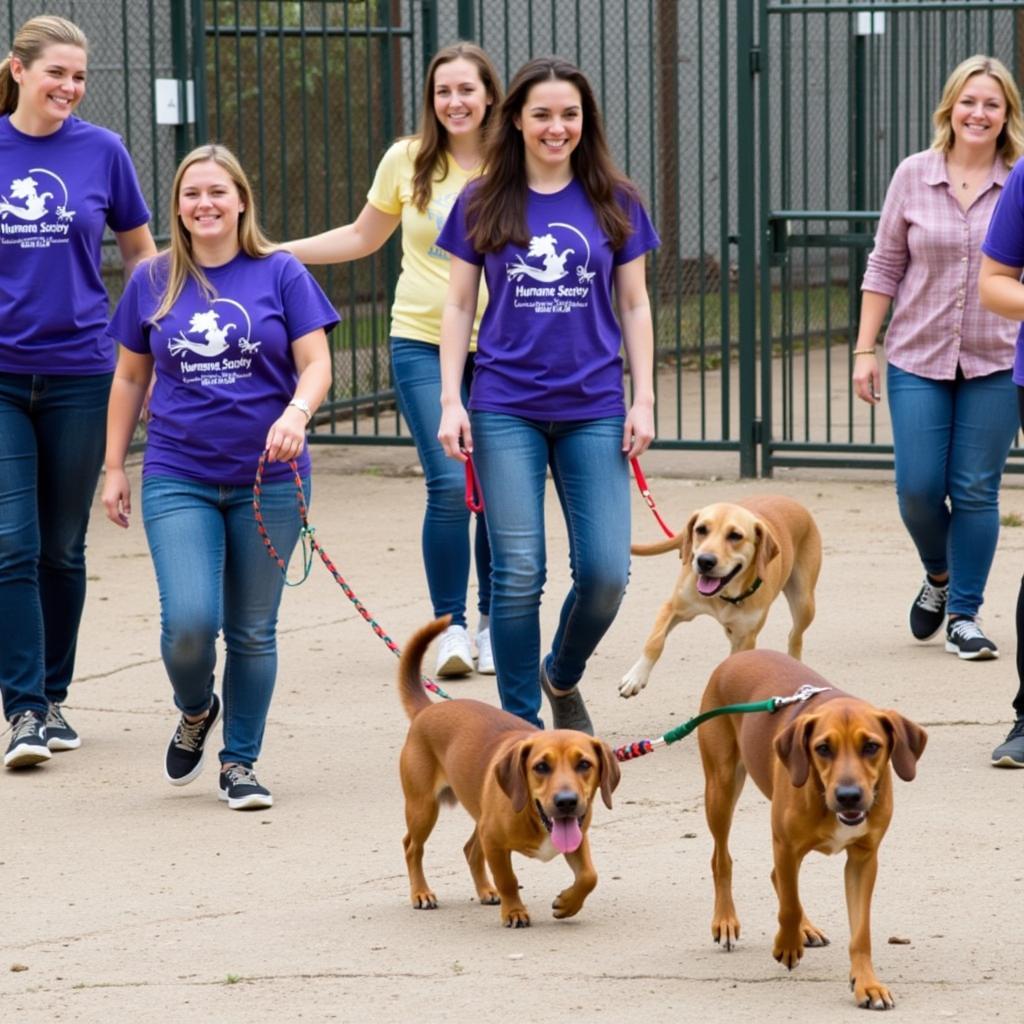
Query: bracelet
column 865, row 351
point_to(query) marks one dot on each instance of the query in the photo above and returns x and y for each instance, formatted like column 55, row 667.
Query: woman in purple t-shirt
column 560, row 236
column 63, row 181
column 237, row 333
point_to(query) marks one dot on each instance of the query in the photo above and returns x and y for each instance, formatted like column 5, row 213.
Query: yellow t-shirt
column 423, row 282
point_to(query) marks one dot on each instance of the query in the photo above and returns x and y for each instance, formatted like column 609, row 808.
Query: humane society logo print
column 210, row 361
column 551, row 293
column 34, row 212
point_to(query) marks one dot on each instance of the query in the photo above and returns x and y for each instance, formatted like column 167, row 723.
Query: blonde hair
column 179, row 258
column 31, row 39
column 1010, row 144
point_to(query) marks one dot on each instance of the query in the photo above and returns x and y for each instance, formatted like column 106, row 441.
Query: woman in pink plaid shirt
column 952, row 399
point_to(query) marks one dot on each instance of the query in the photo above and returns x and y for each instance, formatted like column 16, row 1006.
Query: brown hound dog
column 529, row 791
column 737, row 557
column 824, row 765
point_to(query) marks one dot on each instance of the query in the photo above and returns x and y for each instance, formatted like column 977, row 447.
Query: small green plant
column 232, row 979
column 1011, row 519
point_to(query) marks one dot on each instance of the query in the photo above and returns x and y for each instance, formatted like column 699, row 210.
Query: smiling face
column 209, row 206
column 551, row 123
column 978, row 115
column 460, row 97
column 49, row 89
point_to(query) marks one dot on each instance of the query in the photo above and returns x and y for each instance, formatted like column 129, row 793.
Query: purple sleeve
column 453, row 235
column 887, row 261
column 1005, row 239
column 644, row 237
column 128, row 207
column 306, row 308
column 128, row 325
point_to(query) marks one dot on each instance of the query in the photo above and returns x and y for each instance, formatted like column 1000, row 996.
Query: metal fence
column 761, row 132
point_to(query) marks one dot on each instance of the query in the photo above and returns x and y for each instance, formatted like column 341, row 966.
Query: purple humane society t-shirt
column 549, row 342
column 224, row 368
column 57, row 194
column 1004, row 243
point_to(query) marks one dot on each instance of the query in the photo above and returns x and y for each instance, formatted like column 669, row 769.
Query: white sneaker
column 454, row 655
column 484, row 654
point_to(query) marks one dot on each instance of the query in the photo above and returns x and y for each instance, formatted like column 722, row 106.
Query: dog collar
column 746, row 593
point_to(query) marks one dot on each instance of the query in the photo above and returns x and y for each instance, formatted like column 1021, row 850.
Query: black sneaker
column 568, row 710
column 184, row 759
column 28, row 742
column 1010, row 753
column 965, row 639
column 928, row 611
column 240, row 788
column 60, row 735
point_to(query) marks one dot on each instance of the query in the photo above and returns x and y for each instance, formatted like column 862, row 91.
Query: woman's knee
column 189, row 642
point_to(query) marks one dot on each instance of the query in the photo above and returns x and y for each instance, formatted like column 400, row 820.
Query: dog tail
column 658, row 548
column 410, row 689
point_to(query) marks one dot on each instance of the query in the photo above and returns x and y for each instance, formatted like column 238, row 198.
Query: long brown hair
column 431, row 162
column 31, row 39
column 496, row 209
column 179, row 260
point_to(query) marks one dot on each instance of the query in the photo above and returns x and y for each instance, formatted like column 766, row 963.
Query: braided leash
column 307, row 535
column 645, row 493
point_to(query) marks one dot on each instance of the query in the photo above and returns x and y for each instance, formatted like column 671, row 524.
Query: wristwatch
column 303, row 406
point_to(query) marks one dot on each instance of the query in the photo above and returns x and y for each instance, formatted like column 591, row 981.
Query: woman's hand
column 455, row 434
column 638, row 432
column 117, row 497
column 866, row 378
column 286, row 436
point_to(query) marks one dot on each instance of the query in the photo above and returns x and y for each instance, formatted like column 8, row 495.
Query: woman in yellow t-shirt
column 415, row 186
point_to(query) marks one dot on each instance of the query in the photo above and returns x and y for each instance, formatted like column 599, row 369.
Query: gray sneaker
column 1010, row 753
column 568, row 710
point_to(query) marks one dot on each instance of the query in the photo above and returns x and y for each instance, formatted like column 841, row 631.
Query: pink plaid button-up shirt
column 926, row 257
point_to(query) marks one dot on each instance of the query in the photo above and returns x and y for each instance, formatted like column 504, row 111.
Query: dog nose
column 706, row 562
column 566, row 801
column 849, row 796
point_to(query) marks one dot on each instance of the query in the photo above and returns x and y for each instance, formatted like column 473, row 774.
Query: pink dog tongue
column 708, row 585
column 566, row 834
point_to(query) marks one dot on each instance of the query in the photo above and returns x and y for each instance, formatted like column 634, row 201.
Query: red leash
column 474, row 496
column 645, row 493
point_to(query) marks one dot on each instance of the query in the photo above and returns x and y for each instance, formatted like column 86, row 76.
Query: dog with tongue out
column 529, row 791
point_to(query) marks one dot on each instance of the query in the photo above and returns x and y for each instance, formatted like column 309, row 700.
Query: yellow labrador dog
column 737, row 557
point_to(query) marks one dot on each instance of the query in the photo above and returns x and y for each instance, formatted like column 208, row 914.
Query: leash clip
column 805, row 693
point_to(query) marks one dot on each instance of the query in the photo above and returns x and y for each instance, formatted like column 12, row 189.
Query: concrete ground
column 129, row 900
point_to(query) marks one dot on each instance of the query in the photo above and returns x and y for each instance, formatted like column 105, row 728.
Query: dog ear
column 610, row 772
column 511, row 774
column 792, row 747
column 686, row 547
column 767, row 547
column 906, row 743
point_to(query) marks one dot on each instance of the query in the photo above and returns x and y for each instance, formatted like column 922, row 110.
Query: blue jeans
column 951, row 439
column 416, row 368
column 213, row 572
column 512, row 456
column 52, row 434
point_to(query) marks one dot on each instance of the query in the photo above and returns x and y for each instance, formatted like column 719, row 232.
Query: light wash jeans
column 52, row 434
column 951, row 439
column 512, row 456
column 213, row 572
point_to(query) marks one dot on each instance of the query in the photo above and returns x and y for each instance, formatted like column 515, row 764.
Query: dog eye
column 542, row 768
column 583, row 765
column 701, row 531
column 823, row 750
column 734, row 536
column 870, row 748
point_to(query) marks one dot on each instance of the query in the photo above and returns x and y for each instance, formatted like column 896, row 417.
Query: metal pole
column 201, row 129
column 466, row 20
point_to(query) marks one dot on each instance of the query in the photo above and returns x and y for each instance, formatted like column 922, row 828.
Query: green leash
column 640, row 747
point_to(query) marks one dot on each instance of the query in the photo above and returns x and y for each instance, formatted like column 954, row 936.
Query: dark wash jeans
column 52, row 436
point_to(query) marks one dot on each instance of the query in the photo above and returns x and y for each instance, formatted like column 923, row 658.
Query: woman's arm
column 127, row 392
column 867, row 382
column 634, row 309
column 1000, row 289
column 287, row 433
column 456, row 329
column 135, row 245
column 365, row 235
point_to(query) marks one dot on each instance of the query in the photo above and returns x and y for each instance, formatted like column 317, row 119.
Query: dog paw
column 788, row 950
column 517, row 917
column 726, row 932
column 424, row 900
column 488, row 897
column 813, row 936
column 632, row 682
column 872, row 994
column 566, row 904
